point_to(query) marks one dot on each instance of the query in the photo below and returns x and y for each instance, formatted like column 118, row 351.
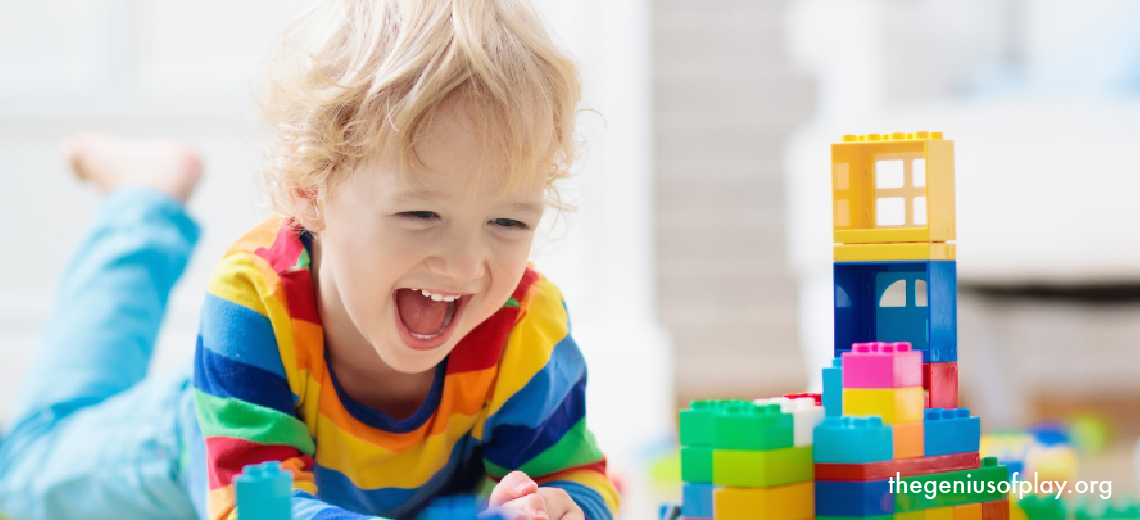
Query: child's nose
column 461, row 259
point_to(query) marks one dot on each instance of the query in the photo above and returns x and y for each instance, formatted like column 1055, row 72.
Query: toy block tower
column 263, row 492
column 891, row 397
column 895, row 270
column 741, row 459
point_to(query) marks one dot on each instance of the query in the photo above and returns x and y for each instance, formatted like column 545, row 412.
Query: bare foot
column 173, row 167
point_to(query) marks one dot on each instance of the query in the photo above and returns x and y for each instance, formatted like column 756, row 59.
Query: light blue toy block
column 263, row 492
column 833, row 388
column 461, row 507
column 950, row 430
column 852, row 440
column 697, row 500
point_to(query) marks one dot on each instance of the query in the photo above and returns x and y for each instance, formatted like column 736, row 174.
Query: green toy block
column 1042, row 508
column 762, row 468
column 696, row 422
column 953, row 488
column 748, row 426
column 1095, row 508
column 697, row 464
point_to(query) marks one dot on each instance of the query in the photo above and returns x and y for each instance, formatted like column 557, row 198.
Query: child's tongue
column 422, row 315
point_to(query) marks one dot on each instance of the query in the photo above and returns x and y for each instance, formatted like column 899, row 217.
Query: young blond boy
column 385, row 338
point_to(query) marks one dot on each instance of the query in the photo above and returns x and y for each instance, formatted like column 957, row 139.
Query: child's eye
column 510, row 223
column 419, row 215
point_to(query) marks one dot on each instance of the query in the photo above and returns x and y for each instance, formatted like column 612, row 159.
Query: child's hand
column 519, row 497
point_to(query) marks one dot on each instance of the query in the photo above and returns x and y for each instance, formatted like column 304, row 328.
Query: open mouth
column 427, row 319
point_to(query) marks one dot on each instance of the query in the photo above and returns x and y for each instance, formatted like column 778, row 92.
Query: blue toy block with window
column 947, row 431
column 911, row 301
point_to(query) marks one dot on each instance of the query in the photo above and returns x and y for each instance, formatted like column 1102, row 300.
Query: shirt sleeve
column 243, row 399
column 537, row 423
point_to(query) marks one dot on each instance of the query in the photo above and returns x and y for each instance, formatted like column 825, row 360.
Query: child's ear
column 306, row 202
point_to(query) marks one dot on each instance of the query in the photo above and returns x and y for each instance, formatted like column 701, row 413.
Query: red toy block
column 940, row 380
column 818, row 397
column 898, row 468
column 995, row 510
column 882, row 365
column 909, row 442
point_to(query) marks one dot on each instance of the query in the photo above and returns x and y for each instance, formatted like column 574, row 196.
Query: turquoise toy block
column 697, row 500
column 949, row 431
column 852, row 440
column 749, row 426
column 833, row 388
column 463, row 507
column 263, row 492
column 854, row 499
column 898, row 301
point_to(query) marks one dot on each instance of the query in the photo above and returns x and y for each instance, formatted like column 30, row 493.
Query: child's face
column 389, row 237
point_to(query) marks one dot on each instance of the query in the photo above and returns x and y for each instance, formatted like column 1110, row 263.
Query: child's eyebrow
column 427, row 194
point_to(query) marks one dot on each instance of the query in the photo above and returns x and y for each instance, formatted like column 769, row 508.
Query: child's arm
column 243, row 397
column 537, row 420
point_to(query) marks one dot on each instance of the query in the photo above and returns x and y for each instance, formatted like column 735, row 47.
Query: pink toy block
column 882, row 365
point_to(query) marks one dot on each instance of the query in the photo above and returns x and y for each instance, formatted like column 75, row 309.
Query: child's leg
column 87, row 440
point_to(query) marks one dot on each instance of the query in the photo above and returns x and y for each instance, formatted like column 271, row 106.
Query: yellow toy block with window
column 893, row 197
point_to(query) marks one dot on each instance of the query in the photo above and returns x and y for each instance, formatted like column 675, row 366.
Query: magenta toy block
column 882, row 365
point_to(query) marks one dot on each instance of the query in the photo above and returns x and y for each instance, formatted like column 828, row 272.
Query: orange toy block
column 909, row 442
column 968, row 512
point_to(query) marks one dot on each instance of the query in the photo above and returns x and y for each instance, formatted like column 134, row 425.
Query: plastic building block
column 940, row 380
column 894, row 405
column 1042, row 508
column 939, row 513
column 790, row 502
column 910, row 515
column 833, row 388
column 806, row 414
column 951, row 431
column 871, row 498
column 968, row 512
column 909, row 440
column 462, row 507
column 882, row 365
column 903, row 301
column 852, row 440
column 748, row 426
column 888, row 189
column 953, row 489
column 696, row 422
column 898, row 467
column 755, row 469
column 880, row 517
column 697, row 464
column 818, row 398
column 669, row 512
column 263, row 492
column 1106, row 509
column 697, row 500
column 895, row 251
column 996, row 510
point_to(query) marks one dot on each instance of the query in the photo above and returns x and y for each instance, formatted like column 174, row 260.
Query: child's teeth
column 438, row 297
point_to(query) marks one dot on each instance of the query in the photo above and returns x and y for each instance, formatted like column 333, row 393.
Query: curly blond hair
column 351, row 78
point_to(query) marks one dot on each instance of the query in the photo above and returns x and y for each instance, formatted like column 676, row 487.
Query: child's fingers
column 532, row 505
column 516, row 484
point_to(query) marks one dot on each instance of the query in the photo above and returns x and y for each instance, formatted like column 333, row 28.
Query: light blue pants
column 92, row 436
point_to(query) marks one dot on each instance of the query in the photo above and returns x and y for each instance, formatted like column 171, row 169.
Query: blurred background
column 699, row 262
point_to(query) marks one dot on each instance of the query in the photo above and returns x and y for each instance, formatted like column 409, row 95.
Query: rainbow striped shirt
column 511, row 395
